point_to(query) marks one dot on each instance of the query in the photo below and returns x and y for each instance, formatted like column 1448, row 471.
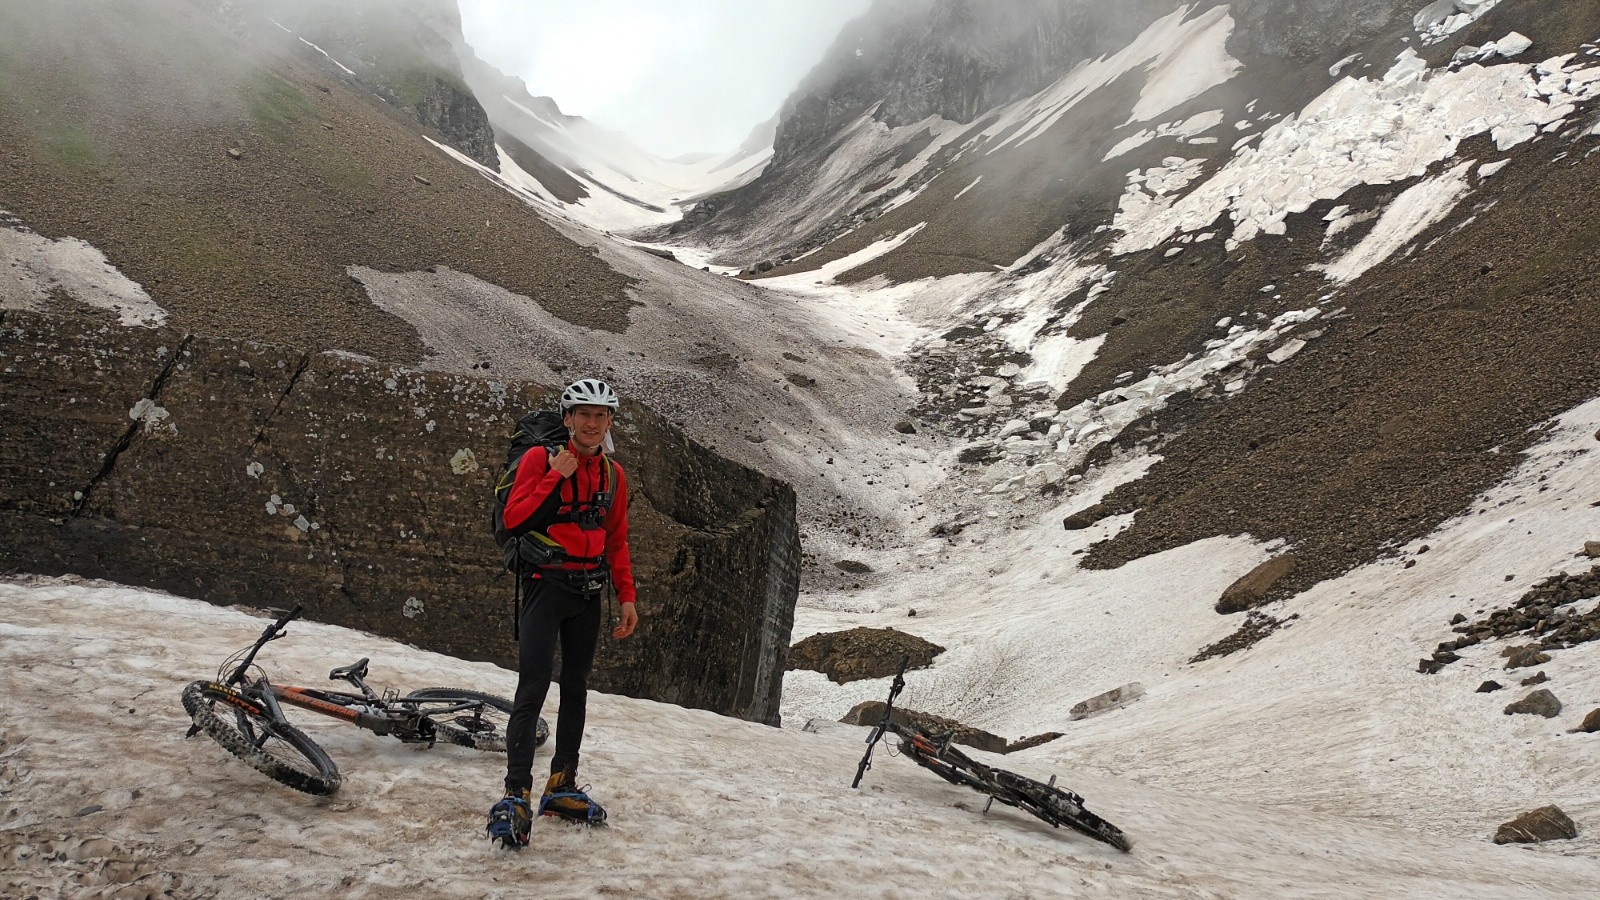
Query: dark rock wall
column 1307, row 30
column 259, row 475
column 451, row 109
column 910, row 59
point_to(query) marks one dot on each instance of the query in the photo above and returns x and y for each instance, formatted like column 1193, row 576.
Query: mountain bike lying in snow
column 243, row 712
column 1055, row 805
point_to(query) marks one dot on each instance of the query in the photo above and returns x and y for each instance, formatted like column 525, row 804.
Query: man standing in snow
column 576, row 499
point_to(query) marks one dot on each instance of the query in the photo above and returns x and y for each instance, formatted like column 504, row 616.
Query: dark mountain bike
column 243, row 711
column 1055, row 805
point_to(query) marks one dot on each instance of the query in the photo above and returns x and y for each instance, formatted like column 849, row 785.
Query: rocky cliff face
column 1305, row 30
column 402, row 52
column 907, row 60
column 913, row 85
column 942, row 62
column 249, row 473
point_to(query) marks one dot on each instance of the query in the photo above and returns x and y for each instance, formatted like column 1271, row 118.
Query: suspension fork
column 882, row 726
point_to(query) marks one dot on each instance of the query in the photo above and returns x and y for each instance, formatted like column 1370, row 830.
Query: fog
column 677, row 76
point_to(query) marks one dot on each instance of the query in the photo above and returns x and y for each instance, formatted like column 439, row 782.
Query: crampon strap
column 592, row 814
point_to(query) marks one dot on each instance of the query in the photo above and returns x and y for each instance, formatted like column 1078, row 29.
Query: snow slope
column 706, row 806
column 628, row 188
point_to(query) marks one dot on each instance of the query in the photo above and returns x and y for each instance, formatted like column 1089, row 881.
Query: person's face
column 588, row 424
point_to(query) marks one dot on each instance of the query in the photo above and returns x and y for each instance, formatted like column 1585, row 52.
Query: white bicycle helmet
column 588, row 392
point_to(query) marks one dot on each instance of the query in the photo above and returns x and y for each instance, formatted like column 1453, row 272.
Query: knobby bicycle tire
column 481, row 731
column 1052, row 804
column 272, row 747
column 1061, row 807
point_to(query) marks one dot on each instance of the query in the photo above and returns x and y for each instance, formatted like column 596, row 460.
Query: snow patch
column 1184, row 59
column 1411, row 213
column 1362, row 131
column 35, row 266
column 1184, row 130
column 347, row 69
column 1442, row 18
column 1488, row 169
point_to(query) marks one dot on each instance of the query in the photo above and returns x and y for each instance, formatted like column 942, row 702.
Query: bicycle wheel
column 272, row 747
column 1061, row 807
column 482, row 728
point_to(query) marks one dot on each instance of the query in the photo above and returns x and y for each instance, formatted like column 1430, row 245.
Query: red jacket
column 540, row 492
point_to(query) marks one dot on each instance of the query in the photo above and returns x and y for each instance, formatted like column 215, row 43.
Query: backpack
column 526, row 549
column 536, row 429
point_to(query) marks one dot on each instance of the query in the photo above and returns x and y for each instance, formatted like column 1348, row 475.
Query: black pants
column 551, row 611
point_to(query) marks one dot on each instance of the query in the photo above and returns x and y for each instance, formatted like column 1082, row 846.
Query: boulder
column 1547, row 823
column 1539, row 703
column 1086, row 517
column 861, row 653
column 852, row 566
column 1489, row 687
column 1034, row 741
column 1523, row 657
column 1536, row 678
column 1251, row 590
column 1112, row 699
column 871, row 713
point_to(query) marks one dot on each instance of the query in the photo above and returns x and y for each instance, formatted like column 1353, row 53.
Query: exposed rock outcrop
column 1252, row 589
column 861, row 653
column 1546, row 612
column 1257, row 626
column 1305, row 30
column 1112, row 699
column 910, row 59
column 1538, row 703
column 1547, row 823
column 871, row 713
column 248, row 473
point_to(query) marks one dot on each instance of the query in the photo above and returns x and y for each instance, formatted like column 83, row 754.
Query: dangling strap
column 516, row 602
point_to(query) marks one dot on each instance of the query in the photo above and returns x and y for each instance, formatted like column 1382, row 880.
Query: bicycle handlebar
column 272, row 632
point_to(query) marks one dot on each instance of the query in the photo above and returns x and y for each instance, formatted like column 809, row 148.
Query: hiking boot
column 511, row 819
column 564, row 799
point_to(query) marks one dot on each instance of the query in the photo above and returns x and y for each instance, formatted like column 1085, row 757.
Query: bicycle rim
column 1061, row 807
column 272, row 747
column 482, row 727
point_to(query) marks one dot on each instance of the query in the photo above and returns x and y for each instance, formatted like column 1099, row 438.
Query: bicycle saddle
column 346, row 673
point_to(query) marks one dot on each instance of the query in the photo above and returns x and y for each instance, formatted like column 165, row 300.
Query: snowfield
column 1317, row 764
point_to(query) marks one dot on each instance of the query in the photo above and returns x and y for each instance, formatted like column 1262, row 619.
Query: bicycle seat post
column 369, row 693
column 356, row 674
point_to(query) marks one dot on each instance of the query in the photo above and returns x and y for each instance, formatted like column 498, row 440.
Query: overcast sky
column 677, row 76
